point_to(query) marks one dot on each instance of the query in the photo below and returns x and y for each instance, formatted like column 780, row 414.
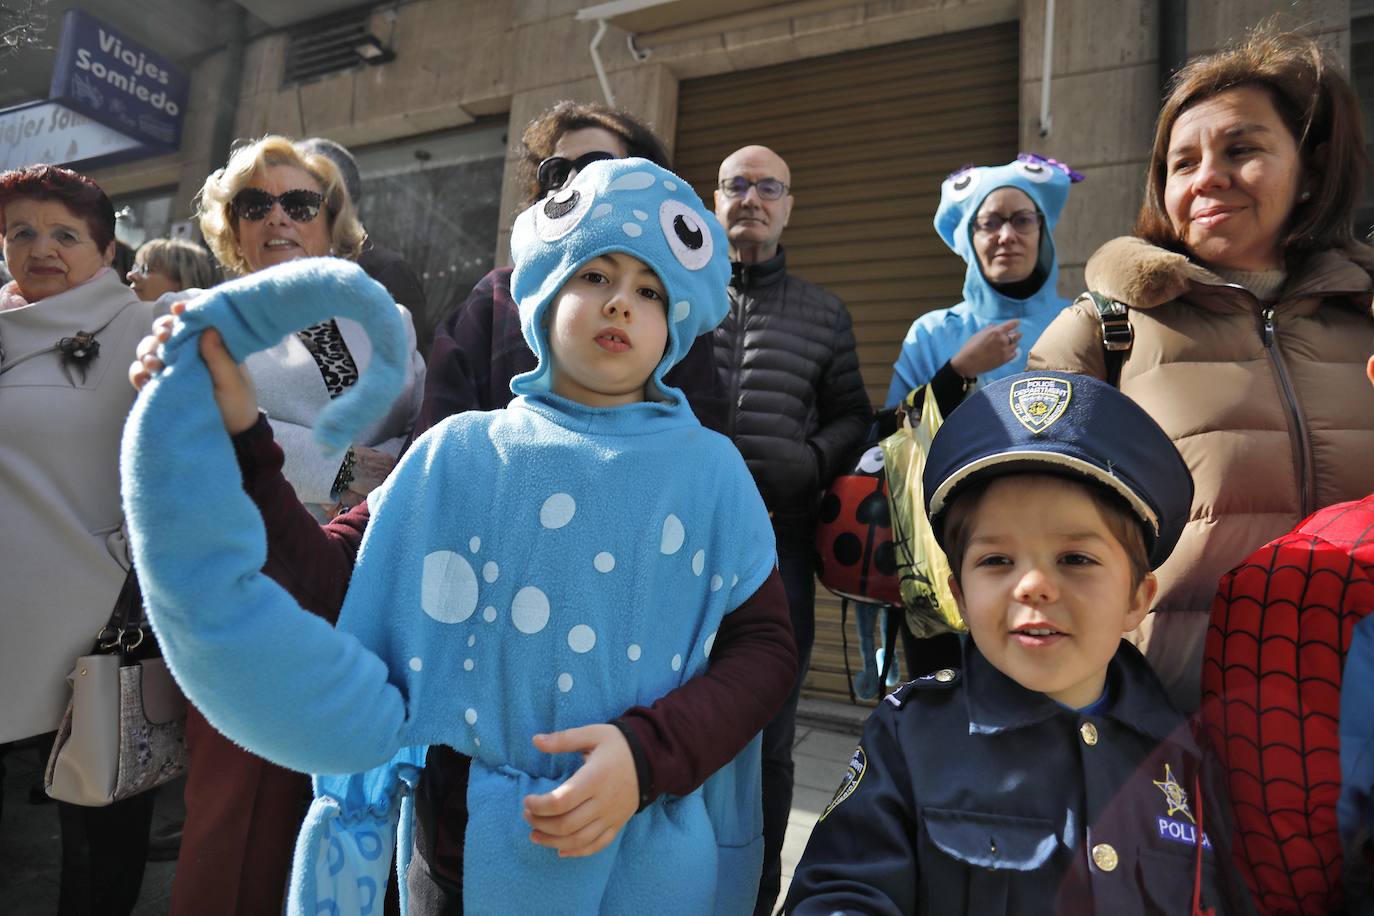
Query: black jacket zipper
column 737, row 351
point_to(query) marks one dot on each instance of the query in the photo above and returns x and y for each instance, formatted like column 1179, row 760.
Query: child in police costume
column 1049, row 773
column 525, row 571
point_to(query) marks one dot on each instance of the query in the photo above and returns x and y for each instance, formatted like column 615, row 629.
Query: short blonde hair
column 214, row 203
column 185, row 262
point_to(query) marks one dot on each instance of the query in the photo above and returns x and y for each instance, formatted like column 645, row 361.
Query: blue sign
column 118, row 82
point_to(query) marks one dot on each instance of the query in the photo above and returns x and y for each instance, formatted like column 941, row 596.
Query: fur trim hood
column 1144, row 276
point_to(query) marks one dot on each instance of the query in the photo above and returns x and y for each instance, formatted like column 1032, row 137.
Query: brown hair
column 1121, row 521
column 1320, row 110
column 214, row 203
column 74, row 191
column 542, row 134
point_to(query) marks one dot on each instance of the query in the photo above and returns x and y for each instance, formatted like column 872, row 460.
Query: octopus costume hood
column 503, row 587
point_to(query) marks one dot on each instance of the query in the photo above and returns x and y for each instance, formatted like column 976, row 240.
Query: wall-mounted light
column 370, row 50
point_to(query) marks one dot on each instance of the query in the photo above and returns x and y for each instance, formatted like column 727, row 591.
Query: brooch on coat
column 78, row 351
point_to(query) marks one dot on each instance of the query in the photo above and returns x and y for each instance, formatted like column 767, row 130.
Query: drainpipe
column 1173, row 41
column 226, row 106
column 596, row 62
column 1048, row 55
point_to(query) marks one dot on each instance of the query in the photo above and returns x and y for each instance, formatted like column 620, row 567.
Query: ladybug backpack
column 858, row 563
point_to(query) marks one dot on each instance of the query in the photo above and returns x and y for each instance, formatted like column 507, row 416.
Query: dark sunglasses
column 300, row 205
column 555, row 171
column 769, row 188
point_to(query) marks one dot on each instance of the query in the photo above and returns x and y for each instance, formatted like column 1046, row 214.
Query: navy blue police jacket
column 969, row 793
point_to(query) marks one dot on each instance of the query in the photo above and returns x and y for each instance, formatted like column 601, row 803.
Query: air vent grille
column 325, row 45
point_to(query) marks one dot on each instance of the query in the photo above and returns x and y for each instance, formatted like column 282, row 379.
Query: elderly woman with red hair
column 68, row 327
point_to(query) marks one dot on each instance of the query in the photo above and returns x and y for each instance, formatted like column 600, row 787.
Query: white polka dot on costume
column 476, row 741
column 416, row 664
column 470, row 716
column 489, row 614
column 529, row 611
column 677, row 662
column 670, row 185
column 734, row 580
column 673, row 536
column 681, row 310
column 475, row 544
column 604, row 562
column 490, row 571
column 698, row 562
column 633, row 652
column 631, row 181
column 472, row 641
column 640, row 215
column 565, row 682
column 467, row 664
column 448, row 587
column 716, row 583
column 581, row 638
column 710, row 641
column 633, row 230
column 557, row 510
column 601, row 210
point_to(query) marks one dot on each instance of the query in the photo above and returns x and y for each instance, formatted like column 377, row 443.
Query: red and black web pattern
column 1271, row 681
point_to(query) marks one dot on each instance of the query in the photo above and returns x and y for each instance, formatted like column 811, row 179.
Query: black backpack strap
column 1117, row 334
column 844, row 643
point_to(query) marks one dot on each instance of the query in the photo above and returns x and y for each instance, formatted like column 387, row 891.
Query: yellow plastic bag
column 922, row 569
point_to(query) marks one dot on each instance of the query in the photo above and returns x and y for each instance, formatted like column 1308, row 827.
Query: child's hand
column 238, row 403
column 583, row 815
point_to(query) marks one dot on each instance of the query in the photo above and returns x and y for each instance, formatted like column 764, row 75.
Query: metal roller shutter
column 869, row 135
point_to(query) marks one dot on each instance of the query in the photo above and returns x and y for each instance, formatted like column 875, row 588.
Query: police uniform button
column 944, row 675
column 1105, row 857
column 1089, row 733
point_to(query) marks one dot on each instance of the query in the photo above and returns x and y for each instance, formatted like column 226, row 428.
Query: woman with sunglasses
column 272, row 203
column 275, row 202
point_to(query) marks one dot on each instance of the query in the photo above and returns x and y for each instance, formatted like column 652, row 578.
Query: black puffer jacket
column 796, row 404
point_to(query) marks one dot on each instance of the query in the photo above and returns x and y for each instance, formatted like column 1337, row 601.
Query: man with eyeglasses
column 796, row 408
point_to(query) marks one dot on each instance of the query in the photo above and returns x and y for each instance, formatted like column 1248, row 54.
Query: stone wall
column 458, row 60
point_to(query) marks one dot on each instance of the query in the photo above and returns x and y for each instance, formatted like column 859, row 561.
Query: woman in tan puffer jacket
column 1249, row 302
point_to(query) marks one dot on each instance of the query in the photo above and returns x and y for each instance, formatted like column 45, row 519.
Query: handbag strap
column 125, row 630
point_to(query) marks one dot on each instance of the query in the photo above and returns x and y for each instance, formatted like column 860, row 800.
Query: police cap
column 1073, row 425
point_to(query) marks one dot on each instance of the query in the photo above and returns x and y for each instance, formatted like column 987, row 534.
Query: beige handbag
column 125, row 728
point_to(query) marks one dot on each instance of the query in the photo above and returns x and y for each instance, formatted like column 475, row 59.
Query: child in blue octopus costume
column 936, row 337
column 578, row 561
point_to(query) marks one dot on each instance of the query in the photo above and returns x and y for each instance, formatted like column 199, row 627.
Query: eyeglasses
column 555, row 171
column 143, row 270
column 300, row 205
column 1023, row 223
column 769, row 188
